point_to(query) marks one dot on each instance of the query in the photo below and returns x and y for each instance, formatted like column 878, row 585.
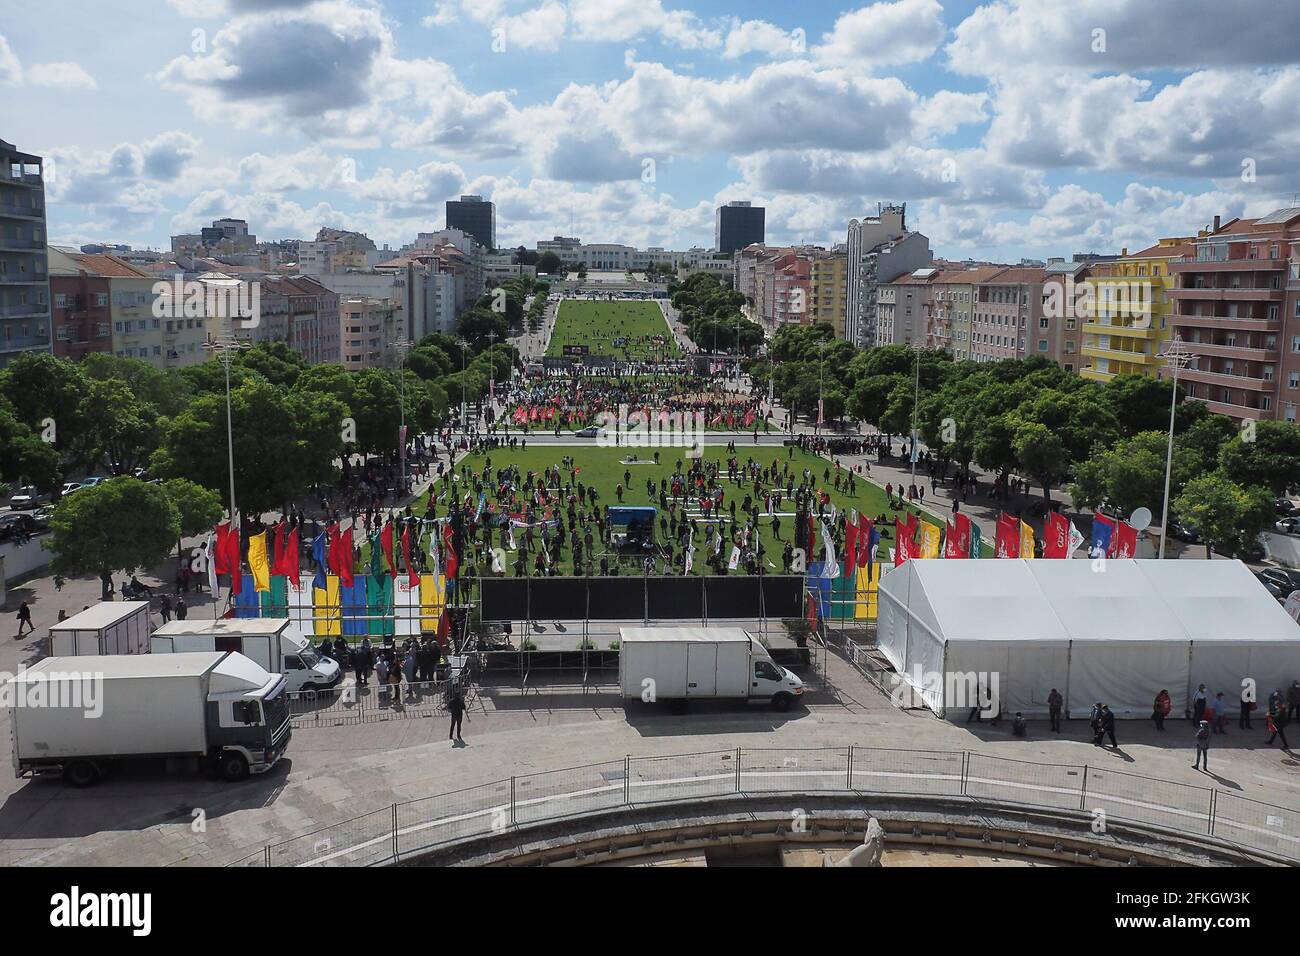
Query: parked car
column 1271, row 586
column 26, row 498
column 41, row 516
column 15, row 525
column 1286, row 507
column 93, row 480
column 1288, row 525
column 1285, row 578
column 590, row 431
column 1183, row 532
column 68, row 488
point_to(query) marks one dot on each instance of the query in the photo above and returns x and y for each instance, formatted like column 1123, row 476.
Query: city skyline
column 1012, row 130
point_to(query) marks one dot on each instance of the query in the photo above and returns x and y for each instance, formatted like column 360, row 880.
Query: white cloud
column 759, row 36
column 884, row 34
column 11, row 70
column 61, row 76
column 621, row 21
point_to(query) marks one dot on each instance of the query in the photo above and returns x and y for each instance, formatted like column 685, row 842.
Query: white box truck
column 688, row 663
column 80, row 716
column 110, row 627
column 273, row 642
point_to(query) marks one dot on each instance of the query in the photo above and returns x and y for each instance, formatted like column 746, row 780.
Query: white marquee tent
column 1117, row 631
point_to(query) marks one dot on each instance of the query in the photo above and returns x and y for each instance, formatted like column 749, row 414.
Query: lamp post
column 916, row 399
column 224, row 346
column 1177, row 357
column 464, row 349
column 401, row 347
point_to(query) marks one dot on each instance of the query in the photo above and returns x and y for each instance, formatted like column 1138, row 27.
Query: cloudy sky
column 1011, row 128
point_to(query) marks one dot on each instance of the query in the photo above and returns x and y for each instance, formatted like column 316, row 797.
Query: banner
column 1056, row 536
column 976, row 541
column 929, row 540
column 257, row 562
column 1124, row 543
column 906, row 544
column 1076, row 540
column 1103, row 533
column 829, row 562
column 1026, row 540
column 956, row 542
column 1006, row 543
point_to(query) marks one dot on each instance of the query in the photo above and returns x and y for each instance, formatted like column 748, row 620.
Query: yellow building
column 828, row 283
column 1125, row 319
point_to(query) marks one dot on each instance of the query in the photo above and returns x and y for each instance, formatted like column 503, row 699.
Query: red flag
column 412, row 577
column 1056, row 532
column 449, row 553
column 234, row 562
column 220, row 553
column 1124, row 542
column 386, row 542
column 812, row 536
column 444, row 627
column 850, row 546
column 906, row 534
column 277, row 550
column 866, row 553
column 812, row 610
column 957, row 541
column 1007, row 540
column 341, row 559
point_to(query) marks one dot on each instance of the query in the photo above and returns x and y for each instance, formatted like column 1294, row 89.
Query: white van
column 273, row 642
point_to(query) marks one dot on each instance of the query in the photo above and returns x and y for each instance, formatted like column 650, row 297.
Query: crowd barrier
column 404, row 830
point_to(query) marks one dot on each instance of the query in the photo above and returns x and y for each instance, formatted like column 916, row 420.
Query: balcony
column 1244, row 352
column 1229, row 322
column 1237, row 411
column 9, row 244
column 15, row 211
column 1226, row 265
column 1245, row 293
column 1229, row 381
column 1126, row 331
column 1119, row 355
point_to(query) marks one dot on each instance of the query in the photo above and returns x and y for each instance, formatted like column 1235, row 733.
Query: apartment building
column 1126, row 316
column 1005, row 313
column 81, row 312
column 179, row 316
column 828, row 290
column 24, row 276
column 1237, row 309
column 368, row 327
column 880, row 248
column 1059, row 332
column 953, row 309
column 300, row 312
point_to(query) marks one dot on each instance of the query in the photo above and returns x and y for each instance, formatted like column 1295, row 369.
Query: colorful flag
column 812, row 610
column 412, row 577
column 957, row 541
column 976, row 541
column 906, row 539
column 851, row 545
column 1056, row 536
column 929, row 540
column 868, row 540
column 234, row 560
column 220, row 558
column 257, row 562
column 453, row 560
column 386, row 541
column 1124, row 543
column 830, row 565
column 1103, row 533
column 344, row 561
column 1076, row 540
column 212, row 566
column 277, row 550
column 1026, row 540
column 320, row 582
column 1007, row 542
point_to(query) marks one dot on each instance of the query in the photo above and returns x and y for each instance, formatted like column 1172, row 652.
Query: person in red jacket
column 1160, row 709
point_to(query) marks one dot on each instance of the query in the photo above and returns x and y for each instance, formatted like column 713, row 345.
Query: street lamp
column 401, row 347
column 1177, row 357
column 916, row 400
column 464, row 348
column 224, row 346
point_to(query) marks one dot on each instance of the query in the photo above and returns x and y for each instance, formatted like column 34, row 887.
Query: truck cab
column 247, row 717
column 769, row 681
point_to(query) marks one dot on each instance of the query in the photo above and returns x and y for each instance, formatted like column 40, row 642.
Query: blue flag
column 1103, row 529
column 318, row 556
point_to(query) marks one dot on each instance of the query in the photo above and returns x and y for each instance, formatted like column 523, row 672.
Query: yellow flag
column 1026, row 541
column 257, row 562
column 929, row 540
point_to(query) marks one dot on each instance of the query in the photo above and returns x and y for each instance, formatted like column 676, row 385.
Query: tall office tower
column 476, row 217
column 737, row 225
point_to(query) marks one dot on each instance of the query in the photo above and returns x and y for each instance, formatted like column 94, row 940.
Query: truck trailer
column 109, row 627
column 81, row 716
column 689, row 663
column 273, row 642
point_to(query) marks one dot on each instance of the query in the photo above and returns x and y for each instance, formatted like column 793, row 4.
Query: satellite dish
column 1140, row 519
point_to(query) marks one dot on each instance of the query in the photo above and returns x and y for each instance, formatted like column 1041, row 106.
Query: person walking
column 182, row 609
column 24, row 619
column 165, row 608
column 456, row 708
column 1160, row 709
column 1199, row 700
column 1277, row 721
column 1054, row 704
column 1108, row 725
column 1202, row 746
column 1243, row 721
column 1094, row 722
column 1218, row 712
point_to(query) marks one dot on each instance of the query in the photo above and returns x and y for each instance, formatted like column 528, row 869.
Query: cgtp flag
column 929, row 540
column 1056, row 536
column 906, row 540
column 1124, row 542
column 1007, row 541
column 956, row 542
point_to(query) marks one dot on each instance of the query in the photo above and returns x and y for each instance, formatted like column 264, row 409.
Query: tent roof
column 1042, row 601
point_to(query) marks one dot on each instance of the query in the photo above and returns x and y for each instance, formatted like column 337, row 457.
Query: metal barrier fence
column 356, row 704
column 403, row 829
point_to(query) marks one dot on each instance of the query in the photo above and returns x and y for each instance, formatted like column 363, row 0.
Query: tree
column 23, row 456
column 40, row 387
column 1264, row 453
column 480, row 327
column 1228, row 516
column 285, row 442
column 1132, row 474
column 197, row 508
column 118, row 525
column 548, row 263
column 120, row 430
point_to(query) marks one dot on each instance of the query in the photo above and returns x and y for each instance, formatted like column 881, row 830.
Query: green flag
column 976, row 540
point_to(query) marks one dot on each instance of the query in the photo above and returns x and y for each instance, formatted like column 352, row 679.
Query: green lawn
column 599, row 325
column 601, row 468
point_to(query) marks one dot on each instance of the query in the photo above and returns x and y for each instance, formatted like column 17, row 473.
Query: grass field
column 599, row 325
column 601, row 468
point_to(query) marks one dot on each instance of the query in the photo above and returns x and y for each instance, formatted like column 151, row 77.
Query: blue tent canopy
column 623, row 515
